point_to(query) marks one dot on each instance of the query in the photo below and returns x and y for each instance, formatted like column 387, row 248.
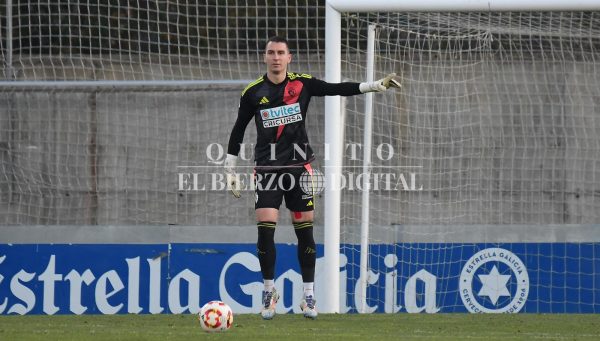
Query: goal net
column 119, row 113
column 152, row 40
column 493, row 139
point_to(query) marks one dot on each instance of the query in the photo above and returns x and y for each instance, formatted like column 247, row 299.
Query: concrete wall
column 498, row 143
column 157, row 234
column 495, row 143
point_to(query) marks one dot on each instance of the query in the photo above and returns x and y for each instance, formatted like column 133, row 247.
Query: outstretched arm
column 380, row 85
column 322, row 88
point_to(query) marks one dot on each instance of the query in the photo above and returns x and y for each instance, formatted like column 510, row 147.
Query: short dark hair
column 277, row 39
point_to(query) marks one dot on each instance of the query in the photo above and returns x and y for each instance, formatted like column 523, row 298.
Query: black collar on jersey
column 278, row 84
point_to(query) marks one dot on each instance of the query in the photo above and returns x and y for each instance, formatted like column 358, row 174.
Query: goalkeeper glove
column 380, row 85
column 232, row 178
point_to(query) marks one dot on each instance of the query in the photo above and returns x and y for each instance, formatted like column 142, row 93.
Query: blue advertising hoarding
column 405, row 277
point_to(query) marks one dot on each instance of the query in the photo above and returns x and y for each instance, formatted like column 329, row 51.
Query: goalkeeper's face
column 277, row 57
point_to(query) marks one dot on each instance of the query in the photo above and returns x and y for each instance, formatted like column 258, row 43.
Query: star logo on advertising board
column 494, row 280
column 494, row 285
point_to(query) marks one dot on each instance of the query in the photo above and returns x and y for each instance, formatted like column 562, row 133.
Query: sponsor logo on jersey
column 284, row 114
column 264, row 100
column 282, row 121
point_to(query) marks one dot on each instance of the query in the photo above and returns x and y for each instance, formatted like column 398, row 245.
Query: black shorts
column 293, row 184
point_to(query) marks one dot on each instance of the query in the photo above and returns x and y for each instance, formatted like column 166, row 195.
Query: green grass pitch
column 295, row 327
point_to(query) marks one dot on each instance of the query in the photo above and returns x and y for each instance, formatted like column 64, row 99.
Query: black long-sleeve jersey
column 279, row 111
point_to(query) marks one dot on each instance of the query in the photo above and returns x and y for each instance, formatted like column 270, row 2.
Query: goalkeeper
column 278, row 103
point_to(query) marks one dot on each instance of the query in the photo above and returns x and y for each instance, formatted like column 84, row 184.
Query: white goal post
column 330, row 285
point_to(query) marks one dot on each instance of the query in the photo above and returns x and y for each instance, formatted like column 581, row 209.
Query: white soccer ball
column 216, row 316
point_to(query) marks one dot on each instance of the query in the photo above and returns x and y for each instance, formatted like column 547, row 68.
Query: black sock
column 265, row 248
column 307, row 250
